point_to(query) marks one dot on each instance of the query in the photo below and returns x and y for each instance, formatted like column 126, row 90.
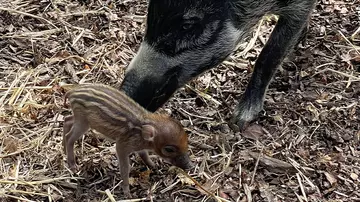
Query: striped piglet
column 120, row 119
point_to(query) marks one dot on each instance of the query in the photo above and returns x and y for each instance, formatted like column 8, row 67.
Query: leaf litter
column 303, row 147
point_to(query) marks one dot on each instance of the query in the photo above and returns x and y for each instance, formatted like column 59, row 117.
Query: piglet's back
column 107, row 103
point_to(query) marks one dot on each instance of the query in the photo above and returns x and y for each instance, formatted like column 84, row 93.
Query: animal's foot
column 245, row 112
column 126, row 191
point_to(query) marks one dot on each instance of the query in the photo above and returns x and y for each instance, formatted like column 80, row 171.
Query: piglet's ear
column 148, row 132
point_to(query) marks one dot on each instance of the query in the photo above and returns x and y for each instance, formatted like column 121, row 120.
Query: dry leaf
column 184, row 179
column 131, row 181
column 271, row 162
column 145, row 175
column 331, row 178
column 325, row 159
column 209, row 186
column 278, row 119
column 314, row 111
column 11, row 144
column 253, row 132
column 223, row 195
column 265, row 191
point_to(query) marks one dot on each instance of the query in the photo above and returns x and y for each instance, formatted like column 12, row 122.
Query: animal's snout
column 184, row 162
column 150, row 80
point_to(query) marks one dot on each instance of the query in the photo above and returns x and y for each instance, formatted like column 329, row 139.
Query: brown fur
column 118, row 118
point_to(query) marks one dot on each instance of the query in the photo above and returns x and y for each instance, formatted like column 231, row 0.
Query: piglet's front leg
column 123, row 153
column 68, row 123
column 144, row 155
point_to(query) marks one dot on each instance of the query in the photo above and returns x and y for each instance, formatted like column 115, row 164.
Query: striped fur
column 114, row 106
column 118, row 118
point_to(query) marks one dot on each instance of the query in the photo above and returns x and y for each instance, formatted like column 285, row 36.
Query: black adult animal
column 184, row 38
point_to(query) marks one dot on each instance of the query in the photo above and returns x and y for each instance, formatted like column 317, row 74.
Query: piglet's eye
column 169, row 150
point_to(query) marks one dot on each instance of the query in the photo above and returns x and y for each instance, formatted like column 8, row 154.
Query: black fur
column 193, row 36
column 158, row 91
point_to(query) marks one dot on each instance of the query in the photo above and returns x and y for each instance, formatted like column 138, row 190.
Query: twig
column 78, row 37
column 326, row 64
column 240, row 176
column 18, row 198
column 247, row 192
column 14, row 83
column 53, row 60
column 204, row 95
column 301, row 186
column 194, row 115
column 30, row 34
column 37, row 182
column 256, row 166
column 338, row 72
column 355, row 33
column 28, row 88
column 237, row 64
column 225, row 166
column 111, row 197
column 253, row 40
column 49, row 194
column 27, row 14
column 199, row 185
column 27, row 192
column 84, row 13
column 16, row 152
column 15, row 96
column 298, row 197
column 347, row 40
column 169, row 187
column 133, row 200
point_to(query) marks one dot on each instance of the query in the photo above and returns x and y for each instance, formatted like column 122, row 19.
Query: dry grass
column 305, row 147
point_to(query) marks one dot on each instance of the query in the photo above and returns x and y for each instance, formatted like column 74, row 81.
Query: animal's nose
column 186, row 163
column 189, row 166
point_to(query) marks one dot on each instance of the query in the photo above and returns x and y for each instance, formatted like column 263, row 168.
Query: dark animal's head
column 183, row 39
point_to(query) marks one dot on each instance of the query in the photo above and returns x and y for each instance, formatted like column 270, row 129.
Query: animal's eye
column 190, row 23
column 187, row 25
column 169, row 150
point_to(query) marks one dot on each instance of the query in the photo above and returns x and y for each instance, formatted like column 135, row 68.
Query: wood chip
column 331, row 178
column 270, row 162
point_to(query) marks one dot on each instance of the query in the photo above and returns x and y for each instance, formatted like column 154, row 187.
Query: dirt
column 303, row 147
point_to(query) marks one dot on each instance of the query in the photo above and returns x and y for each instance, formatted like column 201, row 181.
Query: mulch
column 303, row 147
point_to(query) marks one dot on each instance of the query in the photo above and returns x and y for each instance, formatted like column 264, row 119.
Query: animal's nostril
column 189, row 166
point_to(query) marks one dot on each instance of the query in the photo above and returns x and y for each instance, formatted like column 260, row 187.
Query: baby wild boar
column 120, row 119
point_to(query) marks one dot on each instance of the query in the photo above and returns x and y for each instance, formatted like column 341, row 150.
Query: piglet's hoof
column 127, row 193
column 151, row 165
column 74, row 168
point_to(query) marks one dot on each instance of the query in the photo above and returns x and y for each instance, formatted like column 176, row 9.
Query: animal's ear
column 148, row 132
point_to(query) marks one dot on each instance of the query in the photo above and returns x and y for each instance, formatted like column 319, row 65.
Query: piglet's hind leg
column 79, row 128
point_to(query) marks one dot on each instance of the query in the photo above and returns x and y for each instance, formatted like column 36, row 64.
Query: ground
column 303, row 147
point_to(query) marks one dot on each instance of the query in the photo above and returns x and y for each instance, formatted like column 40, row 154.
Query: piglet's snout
column 184, row 162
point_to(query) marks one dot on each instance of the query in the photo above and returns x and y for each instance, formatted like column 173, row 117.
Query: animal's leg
column 144, row 155
column 79, row 128
column 122, row 154
column 285, row 35
column 68, row 123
